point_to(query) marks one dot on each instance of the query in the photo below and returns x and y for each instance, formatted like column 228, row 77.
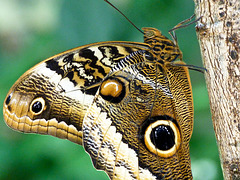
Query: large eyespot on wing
column 162, row 138
column 53, row 96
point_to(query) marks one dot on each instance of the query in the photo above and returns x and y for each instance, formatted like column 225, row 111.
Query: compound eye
column 37, row 106
column 113, row 90
column 162, row 138
column 150, row 33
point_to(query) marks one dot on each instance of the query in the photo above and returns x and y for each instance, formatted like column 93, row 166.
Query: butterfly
column 129, row 104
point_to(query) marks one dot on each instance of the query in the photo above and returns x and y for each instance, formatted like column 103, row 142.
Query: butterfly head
column 163, row 48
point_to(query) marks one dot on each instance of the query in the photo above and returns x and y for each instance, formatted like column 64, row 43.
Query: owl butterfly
column 129, row 104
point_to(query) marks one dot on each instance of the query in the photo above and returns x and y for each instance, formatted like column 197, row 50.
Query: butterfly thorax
column 161, row 47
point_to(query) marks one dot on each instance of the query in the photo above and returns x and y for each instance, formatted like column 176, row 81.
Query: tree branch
column 219, row 36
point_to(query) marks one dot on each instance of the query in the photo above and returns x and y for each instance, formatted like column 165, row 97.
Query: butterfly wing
column 53, row 96
column 140, row 121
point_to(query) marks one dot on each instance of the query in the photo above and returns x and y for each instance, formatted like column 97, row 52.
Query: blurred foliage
column 31, row 31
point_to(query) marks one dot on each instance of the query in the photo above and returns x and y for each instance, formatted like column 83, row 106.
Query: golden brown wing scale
column 52, row 97
column 126, row 102
column 118, row 132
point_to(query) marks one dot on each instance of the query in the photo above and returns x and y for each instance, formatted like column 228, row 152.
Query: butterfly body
column 126, row 103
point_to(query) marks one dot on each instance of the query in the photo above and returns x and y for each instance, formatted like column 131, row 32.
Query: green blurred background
column 33, row 30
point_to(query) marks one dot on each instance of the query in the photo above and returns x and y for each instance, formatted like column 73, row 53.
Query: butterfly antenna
column 124, row 16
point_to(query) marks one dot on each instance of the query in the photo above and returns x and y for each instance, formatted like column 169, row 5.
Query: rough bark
column 219, row 37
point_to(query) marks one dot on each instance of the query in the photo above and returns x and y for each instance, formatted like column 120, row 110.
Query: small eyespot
column 148, row 56
column 113, row 90
column 162, row 138
column 37, row 106
column 8, row 99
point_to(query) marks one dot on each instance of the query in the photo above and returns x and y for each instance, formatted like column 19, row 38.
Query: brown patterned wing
column 53, row 96
column 140, row 122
